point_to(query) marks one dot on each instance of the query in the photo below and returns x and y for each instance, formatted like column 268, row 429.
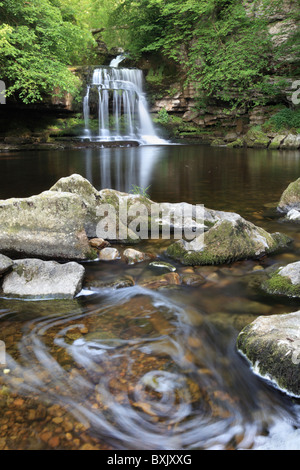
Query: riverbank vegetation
column 224, row 47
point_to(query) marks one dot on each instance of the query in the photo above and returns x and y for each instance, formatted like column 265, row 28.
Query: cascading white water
column 123, row 113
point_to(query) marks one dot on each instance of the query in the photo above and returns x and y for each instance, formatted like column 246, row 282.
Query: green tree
column 39, row 39
column 223, row 46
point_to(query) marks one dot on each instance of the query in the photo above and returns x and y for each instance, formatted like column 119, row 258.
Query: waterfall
column 123, row 113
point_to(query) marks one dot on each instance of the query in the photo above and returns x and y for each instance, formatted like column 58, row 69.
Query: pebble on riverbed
column 132, row 256
column 99, row 243
column 109, row 254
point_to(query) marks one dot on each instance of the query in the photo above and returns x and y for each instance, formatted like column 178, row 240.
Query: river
column 137, row 368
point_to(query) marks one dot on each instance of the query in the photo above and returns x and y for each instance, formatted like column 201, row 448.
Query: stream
column 141, row 368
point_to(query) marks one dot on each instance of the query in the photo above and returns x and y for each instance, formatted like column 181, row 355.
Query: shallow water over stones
column 148, row 362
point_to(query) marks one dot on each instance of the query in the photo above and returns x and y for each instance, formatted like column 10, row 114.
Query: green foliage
column 96, row 14
column 38, row 40
column 137, row 190
column 163, row 116
column 281, row 285
column 285, row 119
column 155, row 77
column 223, row 46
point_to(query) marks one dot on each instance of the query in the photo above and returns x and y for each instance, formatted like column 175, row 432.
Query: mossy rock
column 217, row 142
column 49, row 225
column 276, row 142
column 256, row 138
column 272, row 346
column 290, row 198
column 284, row 281
column 280, row 285
column 238, row 143
column 227, row 241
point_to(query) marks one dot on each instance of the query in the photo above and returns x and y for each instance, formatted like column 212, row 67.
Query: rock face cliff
column 183, row 100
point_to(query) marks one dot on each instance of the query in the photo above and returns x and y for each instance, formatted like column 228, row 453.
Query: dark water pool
column 138, row 368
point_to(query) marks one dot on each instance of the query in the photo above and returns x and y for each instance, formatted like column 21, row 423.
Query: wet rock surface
column 5, row 264
column 132, row 256
column 272, row 345
column 109, row 254
column 48, row 225
column 289, row 203
column 290, row 198
column 33, row 278
column 230, row 238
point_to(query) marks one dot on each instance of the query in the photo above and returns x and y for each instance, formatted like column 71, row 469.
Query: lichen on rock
column 290, row 198
column 34, row 278
column 49, row 225
column 284, row 281
column 272, row 346
column 230, row 239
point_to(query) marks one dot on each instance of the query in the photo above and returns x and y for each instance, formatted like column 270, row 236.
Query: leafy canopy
column 224, row 46
column 38, row 40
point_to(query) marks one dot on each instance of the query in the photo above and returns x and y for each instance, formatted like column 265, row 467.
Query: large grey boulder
column 80, row 186
column 95, row 201
column 56, row 223
column 5, row 264
column 291, row 142
column 230, row 238
column 34, row 278
column 272, row 345
column 49, row 225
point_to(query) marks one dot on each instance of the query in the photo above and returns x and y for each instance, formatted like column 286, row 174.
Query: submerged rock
column 49, row 225
column 119, row 283
column 5, row 264
column 272, row 345
column 170, row 279
column 193, row 280
column 33, row 278
column 231, row 238
column 162, row 265
column 284, row 281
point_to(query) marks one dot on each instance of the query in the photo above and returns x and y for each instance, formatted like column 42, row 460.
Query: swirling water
column 141, row 368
